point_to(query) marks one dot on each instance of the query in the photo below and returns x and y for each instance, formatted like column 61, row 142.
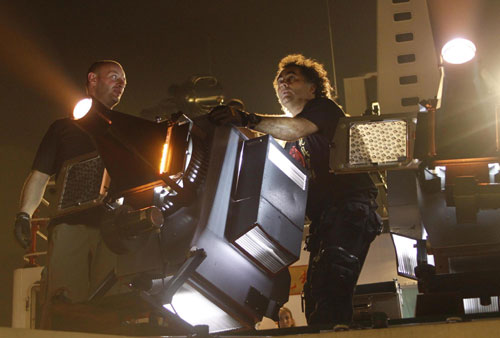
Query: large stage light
column 233, row 214
column 458, row 51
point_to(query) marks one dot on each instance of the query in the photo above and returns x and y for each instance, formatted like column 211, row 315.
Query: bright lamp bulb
column 458, row 51
column 82, row 108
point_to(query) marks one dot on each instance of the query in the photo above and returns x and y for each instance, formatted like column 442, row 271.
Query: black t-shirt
column 313, row 152
column 63, row 140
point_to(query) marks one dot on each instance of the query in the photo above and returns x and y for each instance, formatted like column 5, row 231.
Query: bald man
column 77, row 257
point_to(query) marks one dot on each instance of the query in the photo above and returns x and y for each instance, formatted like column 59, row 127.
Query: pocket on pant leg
column 347, row 225
column 356, row 213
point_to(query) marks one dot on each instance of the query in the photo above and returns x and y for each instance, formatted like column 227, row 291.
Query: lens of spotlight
column 82, row 108
column 458, row 51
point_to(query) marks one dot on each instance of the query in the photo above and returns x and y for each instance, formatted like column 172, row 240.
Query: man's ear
column 312, row 89
column 92, row 78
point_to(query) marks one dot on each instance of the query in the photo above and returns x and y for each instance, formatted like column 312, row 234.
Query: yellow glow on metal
column 82, row 108
column 166, row 158
column 163, row 163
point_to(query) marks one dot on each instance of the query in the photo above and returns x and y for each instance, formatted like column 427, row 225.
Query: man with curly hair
column 341, row 207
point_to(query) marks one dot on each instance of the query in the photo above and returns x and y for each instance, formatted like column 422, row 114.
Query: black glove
column 227, row 115
column 236, row 117
column 22, row 229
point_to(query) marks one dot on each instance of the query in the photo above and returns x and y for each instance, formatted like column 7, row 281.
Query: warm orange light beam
column 454, row 18
column 23, row 57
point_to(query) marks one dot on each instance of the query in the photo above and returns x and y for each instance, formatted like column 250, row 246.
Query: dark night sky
column 47, row 46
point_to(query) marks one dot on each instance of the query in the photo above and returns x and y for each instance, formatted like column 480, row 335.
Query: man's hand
column 22, row 229
column 228, row 115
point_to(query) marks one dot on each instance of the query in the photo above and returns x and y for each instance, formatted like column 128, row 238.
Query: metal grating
column 258, row 245
column 473, row 305
column 82, row 183
column 377, row 142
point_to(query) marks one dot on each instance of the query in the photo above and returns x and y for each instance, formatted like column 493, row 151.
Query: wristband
column 253, row 120
column 24, row 215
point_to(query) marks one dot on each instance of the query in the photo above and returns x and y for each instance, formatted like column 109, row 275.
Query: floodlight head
column 371, row 142
column 458, row 51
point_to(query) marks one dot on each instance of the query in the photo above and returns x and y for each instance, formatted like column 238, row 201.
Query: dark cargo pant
column 338, row 244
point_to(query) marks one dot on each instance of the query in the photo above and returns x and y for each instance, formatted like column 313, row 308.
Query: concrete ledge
column 477, row 329
column 6, row 332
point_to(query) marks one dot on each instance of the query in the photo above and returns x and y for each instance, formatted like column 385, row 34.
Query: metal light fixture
column 372, row 143
column 207, row 172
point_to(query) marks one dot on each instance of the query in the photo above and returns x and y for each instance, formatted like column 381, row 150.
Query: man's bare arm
column 286, row 128
column 283, row 128
column 33, row 191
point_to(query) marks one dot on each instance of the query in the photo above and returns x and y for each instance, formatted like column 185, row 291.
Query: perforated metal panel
column 82, row 182
column 374, row 143
column 377, row 142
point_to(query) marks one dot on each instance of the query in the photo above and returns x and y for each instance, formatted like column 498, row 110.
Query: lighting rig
column 204, row 220
column 442, row 186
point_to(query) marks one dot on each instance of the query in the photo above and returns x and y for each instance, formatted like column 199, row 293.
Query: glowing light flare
column 458, row 51
column 82, row 108
column 166, row 157
column 196, row 309
column 163, row 162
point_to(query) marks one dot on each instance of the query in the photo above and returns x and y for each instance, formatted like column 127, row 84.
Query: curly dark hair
column 313, row 71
